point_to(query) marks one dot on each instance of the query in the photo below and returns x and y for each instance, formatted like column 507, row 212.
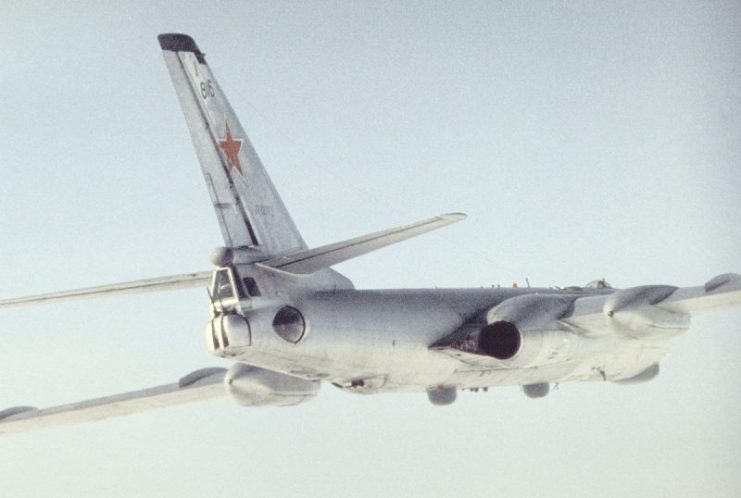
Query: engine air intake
column 500, row 340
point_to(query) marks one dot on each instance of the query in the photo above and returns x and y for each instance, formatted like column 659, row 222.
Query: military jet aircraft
column 288, row 322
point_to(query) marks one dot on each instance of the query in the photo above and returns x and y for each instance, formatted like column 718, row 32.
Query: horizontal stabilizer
column 200, row 385
column 170, row 282
column 312, row 260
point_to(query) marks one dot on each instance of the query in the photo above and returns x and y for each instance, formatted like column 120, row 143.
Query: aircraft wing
column 312, row 260
column 648, row 310
column 184, row 281
column 200, row 385
column 658, row 302
column 719, row 292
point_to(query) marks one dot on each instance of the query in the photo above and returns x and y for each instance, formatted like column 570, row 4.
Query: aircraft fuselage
column 379, row 340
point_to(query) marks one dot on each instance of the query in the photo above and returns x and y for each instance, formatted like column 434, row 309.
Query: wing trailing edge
column 313, row 260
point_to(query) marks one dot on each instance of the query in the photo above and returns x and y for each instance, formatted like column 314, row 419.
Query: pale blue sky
column 582, row 140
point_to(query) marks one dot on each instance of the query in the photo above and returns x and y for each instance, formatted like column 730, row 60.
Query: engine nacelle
column 505, row 341
column 637, row 312
column 254, row 386
column 525, row 330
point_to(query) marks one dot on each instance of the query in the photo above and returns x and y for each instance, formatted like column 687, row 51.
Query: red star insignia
column 231, row 148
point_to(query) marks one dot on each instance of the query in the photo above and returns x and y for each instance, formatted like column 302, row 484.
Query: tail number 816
column 207, row 89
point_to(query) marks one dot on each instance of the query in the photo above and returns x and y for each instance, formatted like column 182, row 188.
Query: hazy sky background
column 582, row 140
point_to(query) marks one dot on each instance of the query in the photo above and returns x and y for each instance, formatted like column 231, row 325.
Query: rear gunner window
column 223, row 286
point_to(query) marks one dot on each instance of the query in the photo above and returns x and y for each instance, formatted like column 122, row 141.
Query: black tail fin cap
column 178, row 42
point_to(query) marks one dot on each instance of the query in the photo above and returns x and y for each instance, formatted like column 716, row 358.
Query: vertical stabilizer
column 249, row 210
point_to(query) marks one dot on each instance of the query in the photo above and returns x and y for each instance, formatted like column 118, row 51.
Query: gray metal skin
column 381, row 337
column 387, row 340
column 289, row 322
column 370, row 341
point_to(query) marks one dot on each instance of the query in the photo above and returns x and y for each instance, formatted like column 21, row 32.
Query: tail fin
column 249, row 210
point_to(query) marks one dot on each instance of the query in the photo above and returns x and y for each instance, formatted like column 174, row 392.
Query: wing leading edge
column 197, row 386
